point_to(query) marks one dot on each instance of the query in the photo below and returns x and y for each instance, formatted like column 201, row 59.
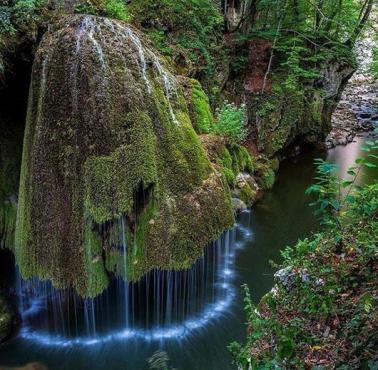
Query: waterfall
column 163, row 304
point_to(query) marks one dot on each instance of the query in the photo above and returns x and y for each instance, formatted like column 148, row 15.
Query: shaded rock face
column 282, row 119
column 110, row 159
column 6, row 319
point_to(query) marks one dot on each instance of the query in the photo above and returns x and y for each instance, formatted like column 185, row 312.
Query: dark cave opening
column 13, row 107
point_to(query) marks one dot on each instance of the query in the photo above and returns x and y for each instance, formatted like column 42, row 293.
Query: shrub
column 108, row 8
column 231, row 122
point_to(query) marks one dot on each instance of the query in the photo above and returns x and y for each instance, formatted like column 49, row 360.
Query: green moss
column 97, row 278
column 284, row 115
column 232, row 160
column 247, row 194
column 230, row 176
column 8, row 214
column 265, row 174
column 111, row 181
column 243, row 158
column 202, row 116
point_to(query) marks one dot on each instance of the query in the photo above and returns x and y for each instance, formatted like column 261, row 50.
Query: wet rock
column 244, row 178
column 288, row 277
column 238, row 205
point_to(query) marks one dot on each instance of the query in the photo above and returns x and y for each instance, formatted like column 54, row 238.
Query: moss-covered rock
column 239, row 168
column 284, row 116
column 265, row 173
column 199, row 107
column 111, row 158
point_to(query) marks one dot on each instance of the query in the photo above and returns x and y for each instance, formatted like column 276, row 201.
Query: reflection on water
column 346, row 159
column 278, row 220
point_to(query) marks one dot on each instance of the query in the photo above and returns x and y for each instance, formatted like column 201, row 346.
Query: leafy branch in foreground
column 333, row 193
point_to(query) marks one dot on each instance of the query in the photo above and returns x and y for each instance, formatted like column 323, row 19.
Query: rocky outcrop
column 282, row 118
column 111, row 163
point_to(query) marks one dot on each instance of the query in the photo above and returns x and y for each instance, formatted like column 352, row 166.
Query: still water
column 210, row 319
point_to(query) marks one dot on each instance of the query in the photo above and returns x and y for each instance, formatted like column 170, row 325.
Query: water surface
column 278, row 220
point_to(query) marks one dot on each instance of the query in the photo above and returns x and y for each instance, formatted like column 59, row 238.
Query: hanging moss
column 111, row 181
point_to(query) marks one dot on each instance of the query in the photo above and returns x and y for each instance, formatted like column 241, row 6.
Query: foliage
column 334, row 194
column 192, row 28
column 19, row 22
column 231, row 122
column 327, row 313
column 202, row 115
column 107, row 8
column 306, row 34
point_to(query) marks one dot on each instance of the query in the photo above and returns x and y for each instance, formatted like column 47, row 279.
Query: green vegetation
column 106, row 8
column 201, row 113
column 140, row 160
column 297, row 45
column 323, row 309
column 19, row 23
column 188, row 31
column 231, row 123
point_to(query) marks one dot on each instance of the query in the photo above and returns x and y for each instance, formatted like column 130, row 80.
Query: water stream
column 192, row 315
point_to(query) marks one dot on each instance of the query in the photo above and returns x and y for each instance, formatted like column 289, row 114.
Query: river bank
column 323, row 307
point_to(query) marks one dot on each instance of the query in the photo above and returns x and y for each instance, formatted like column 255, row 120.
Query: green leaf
column 345, row 184
column 370, row 165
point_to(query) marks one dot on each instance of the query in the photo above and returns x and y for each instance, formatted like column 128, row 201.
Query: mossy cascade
column 109, row 137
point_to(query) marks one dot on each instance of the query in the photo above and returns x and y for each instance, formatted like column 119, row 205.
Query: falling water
column 125, row 284
column 163, row 304
column 169, row 85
